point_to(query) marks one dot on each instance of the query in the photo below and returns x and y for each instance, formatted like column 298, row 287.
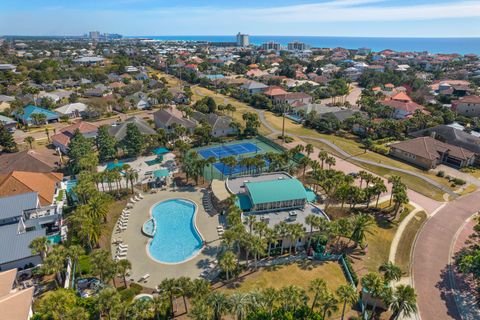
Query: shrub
column 136, row 288
column 350, row 270
column 441, row 174
column 459, row 182
column 288, row 139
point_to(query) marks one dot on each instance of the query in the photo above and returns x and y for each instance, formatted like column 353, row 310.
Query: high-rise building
column 297, row 46
column 268, row 46
column 94, row 35
column 243, row 40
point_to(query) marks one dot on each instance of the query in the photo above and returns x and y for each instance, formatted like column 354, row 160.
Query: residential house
column 100, row 90
column 46, row 184
column 290, row 98
column 221, row 125
column 427, row 153
column 4, row 67
column 253, row 87
column 8, row 123
column 274, row 91
column 27, row 119
column 15, row 302
column 403, row 105
column 44, row 160
column 168, row 118
column 5, row 101
column 61, row 140
column 467, row 106
column 119, row 130
column 90, row 61
column 22, row 219
column 73, row 110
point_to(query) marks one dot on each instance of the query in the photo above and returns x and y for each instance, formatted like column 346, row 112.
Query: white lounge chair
column 122, row 250
column 145, row 277
column 122, row 228
column 140, row 196
column 121, row 254
column 122, row 245
column 120, row 258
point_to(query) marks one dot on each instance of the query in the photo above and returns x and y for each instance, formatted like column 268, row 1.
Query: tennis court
column 238, row 149
column 223, row 151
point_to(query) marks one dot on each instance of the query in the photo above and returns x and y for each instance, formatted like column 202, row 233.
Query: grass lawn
column 297, row 274
column 379, row 242
column 402, row 256
column 115, row 210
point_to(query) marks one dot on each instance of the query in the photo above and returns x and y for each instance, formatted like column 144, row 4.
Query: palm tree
column 108, row 303
column 229, row 162
column 318, row 287
column 313, row 221
column 140, row 309
column 375, row 286
column 282, row 230
column 240, row 305
column 169, row 287
column 309, row 149
column 185, row 287
column 251, row 219
column 322, row 156
column 123, row 268
column 361, row 225
column 40, row 246
column 74, row 251
column 394, row 180
column 47, row 132
column 269, row 297
column 160, row 305
column 209, row 162
column 390, row 271
column 227, row 263
column 329, row 304
column 404, row 301
column 304, row 163
column 330, row 161
column 271, row 237
column 295, row 232
column 30, row 141
column 219, row 303
column 348, row 295
column 258, row 248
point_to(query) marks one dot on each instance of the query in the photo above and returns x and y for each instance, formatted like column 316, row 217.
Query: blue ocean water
column 432, row 45
column 176, row 238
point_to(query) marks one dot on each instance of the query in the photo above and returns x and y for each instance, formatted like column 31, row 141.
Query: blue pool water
column 176, row 239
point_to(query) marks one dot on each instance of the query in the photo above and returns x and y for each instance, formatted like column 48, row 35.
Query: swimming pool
column 176, row 238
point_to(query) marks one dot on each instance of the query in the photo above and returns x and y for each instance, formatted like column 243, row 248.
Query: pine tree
column 134, row 141
column 7, row 142
column 105, row 144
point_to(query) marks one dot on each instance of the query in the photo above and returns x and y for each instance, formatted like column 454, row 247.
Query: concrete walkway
column 137, row 242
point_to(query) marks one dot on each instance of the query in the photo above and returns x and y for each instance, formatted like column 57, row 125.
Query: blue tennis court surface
column 229, row 150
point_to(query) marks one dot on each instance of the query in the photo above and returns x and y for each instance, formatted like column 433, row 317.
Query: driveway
column 431, row 269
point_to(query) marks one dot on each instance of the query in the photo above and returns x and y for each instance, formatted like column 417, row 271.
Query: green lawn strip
column 115, row 210
column 403, row 254
column 297, row 274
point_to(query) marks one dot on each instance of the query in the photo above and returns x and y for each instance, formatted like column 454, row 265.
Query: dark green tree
column 7, row 142
column 78, row 148
column 134, row 141
column 105, row 144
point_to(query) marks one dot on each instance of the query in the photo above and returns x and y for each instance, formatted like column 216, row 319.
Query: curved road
column 346, row 155
column 431, row 270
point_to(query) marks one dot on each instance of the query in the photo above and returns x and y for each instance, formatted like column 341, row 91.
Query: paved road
column 346, row 155
column 431, row 273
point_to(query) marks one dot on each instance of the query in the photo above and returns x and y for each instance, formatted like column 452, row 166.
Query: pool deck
column 137, row 242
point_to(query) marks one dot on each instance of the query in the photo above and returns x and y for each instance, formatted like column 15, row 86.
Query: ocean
column 432, row 45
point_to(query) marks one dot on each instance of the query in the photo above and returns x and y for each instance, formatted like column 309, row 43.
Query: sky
column 368, row 18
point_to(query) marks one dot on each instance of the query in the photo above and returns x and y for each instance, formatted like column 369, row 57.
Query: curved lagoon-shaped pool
column 176, row 238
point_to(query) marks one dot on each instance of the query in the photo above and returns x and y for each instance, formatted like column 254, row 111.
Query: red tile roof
column 275, row 91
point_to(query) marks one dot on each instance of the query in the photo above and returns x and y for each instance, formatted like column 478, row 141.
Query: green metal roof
column 243, row 201
column 161, row 173
column 276, row 190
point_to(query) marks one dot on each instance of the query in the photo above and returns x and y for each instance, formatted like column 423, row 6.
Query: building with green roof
column 280, row 194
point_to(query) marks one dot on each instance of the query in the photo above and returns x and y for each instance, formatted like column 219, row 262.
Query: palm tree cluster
column 400, row 299
column 289, row 302
column 255, row 239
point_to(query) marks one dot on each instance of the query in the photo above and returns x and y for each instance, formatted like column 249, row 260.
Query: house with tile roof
column 427, row 153
column 29, row 160
column 467, row 106
column 8, row 123
column 274, row 91
column 403, row 106
column 15, row 303
column 292, row 97
column 26, row 116
column 46, row 184
column 61, row 140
